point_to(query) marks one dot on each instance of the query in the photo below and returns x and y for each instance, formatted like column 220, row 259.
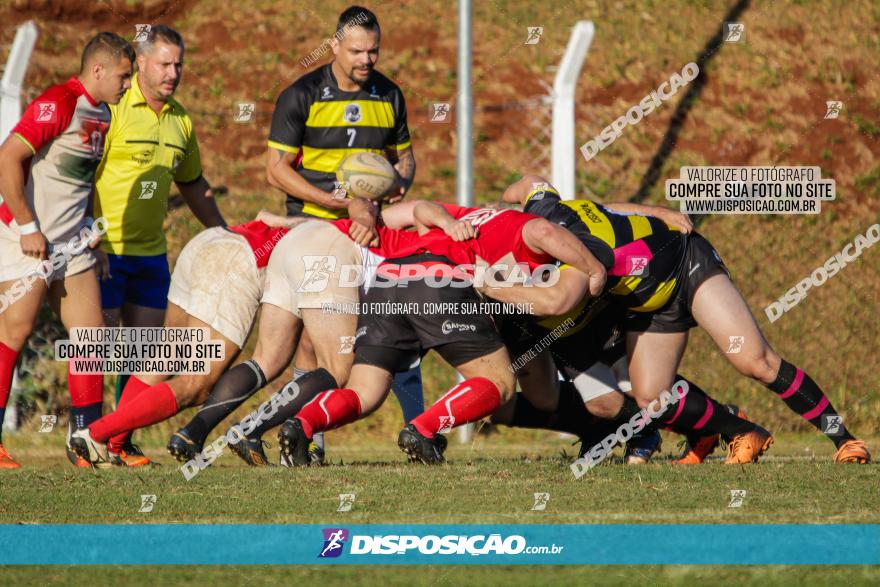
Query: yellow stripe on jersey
column 372, row 113
column 283, row 147
column 596, row 221
column 641, row 227
column 328, row 160
column 626, row 286
column 659, row 298
column 312, row 209
column 582, row 321
column 401, row 146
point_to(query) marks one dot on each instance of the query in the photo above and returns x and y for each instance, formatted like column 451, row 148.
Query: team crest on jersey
column 352, row 113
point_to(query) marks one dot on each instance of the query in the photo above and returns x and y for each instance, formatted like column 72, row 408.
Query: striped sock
column 801, row 394
column 697, row 413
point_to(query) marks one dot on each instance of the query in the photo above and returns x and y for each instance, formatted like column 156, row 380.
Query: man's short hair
column 356, row 16
column 159, row 33
column 109, row 44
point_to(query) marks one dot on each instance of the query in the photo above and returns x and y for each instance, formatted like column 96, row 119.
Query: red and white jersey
column 261, row 237
column 65, row 128
column 499, row 235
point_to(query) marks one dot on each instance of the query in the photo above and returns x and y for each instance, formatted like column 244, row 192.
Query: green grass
column 490, row 481
column 410, row 576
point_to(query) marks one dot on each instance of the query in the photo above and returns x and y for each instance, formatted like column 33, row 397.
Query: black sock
column 700, row 415
column 232, row 390
column 570, row 415
column 801, row 394
column 304, row 389
column 82, row 416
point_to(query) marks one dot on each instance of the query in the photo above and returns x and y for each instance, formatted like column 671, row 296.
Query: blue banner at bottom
column 429, row 544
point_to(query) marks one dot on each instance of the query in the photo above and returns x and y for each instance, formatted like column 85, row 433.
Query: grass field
column 490, row 481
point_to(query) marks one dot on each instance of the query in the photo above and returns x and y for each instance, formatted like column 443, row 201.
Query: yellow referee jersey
column 142, row 155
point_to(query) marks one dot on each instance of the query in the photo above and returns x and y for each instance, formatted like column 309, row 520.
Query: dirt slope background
column 762, row 103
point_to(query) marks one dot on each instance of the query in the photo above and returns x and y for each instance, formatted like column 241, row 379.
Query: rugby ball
column 366, row 175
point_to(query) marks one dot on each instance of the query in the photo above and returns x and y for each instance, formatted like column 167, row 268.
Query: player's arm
column 554, row 300
column 281, row 174
column 363, row 214
column 404, row 163
column 428, row 215
column 200, row 198
column 542, row 236
column 671, row 217
column 400, row 154
column 517, row 192
column 400, row 216
column 13, row 153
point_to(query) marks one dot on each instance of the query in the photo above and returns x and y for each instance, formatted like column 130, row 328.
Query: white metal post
column 464, row 120
column 563, row 153
column 13, row 77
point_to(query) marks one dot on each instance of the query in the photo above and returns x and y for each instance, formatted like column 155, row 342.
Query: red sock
column 86, row 397
column 152, row 405
column 329, row 410
column 85, row 390
column 8, row 358
column 468, row 401
column 132, row 390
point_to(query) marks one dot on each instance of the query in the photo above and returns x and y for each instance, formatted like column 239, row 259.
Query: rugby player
column 303, row 292
column 343, row 107
column 151, row 142
column 46, row 169
column 471, row 344
column 590, row 354
column 217, row 283
column 670, row 284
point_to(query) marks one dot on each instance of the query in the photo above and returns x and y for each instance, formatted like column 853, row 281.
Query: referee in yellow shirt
column 151, row 142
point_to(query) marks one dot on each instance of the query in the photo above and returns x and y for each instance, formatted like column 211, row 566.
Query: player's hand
column 364, row 235
column 597, row 283
column 271, row 219
column 460, row 230
column 34, row 245
column 102, row 264
column 674, row 218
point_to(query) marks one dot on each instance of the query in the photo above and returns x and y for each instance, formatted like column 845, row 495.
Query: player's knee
column 506, row 385
column 190, row 391
column 762, row 367
column 606, row 406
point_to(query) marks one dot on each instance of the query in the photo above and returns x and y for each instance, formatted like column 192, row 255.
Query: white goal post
column 13, row 77
column 563, row 140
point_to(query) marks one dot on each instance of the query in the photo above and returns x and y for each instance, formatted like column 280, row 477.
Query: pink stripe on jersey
column 631, row 259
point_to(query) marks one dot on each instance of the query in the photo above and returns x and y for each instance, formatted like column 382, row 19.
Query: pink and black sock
column 697, row 414
column 801, row 394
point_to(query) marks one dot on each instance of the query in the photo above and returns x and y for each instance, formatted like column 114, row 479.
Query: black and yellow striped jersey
column 324, row 124
column 644, row 257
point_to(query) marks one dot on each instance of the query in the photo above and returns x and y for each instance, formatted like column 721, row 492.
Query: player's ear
column 334, row 44
column 98, row 70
